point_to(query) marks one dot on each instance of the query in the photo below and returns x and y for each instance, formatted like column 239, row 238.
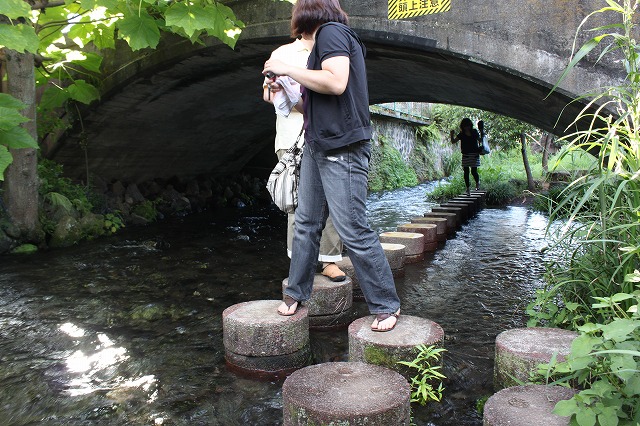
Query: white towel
column 284, row 100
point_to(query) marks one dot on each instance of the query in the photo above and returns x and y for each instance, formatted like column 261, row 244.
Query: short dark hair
column 308, row 15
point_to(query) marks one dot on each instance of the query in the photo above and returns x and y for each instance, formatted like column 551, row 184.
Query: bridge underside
column 205, row 115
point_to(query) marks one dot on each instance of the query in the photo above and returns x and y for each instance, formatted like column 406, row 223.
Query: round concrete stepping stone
column 526, row 406
column 256, row 329
column 471, row 205
column 269, row 367
column 412, row 241
column 430, row 232
column 472, row 201
column 452, row 220
column 459, row 212
column 345, row 393
column 330, row 303
column 465, row 213
column 387, row 348
column 260, row 343
column 395, row 255
column 520, row 350
column 440, row 222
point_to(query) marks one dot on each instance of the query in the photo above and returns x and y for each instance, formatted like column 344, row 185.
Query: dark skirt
column 471, row 160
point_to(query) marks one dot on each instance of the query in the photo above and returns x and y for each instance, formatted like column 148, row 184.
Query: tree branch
column 43, row 4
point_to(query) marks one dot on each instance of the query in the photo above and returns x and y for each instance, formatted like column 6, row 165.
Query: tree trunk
column 525, row 159
column 21, row 178
column 546, row 141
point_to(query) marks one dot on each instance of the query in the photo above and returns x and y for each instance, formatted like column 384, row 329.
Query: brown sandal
column 288, row 301
column 335, row 277
column 383, row 317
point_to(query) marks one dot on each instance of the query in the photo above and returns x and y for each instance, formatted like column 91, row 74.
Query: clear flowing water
column 127, row 330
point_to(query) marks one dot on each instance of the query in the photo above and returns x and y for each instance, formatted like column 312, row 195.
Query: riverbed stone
column 440, row 222
column 526, row 406
column 346, row 393
column 395, row 254
column 412, row 241
column 386, row 349
column 256, row 329
column 430, row 232
column 67, row 232
column 519, row 352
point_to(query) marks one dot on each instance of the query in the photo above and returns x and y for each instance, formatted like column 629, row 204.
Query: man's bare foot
column 288, row 307
column 385, row 322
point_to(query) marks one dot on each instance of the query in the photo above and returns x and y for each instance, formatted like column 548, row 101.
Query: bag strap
column 298, row 144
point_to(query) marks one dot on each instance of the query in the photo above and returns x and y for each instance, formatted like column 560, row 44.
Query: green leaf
column 190, row 19
column 582, row 345
column 10, row 117
column 586, row 417
column 19, row 37
column 8, row 101
column 566, row 407
column 5, row 159
column 53, row 97
column 14, row 9
column 91, row 62
column 104, row 37
column 84, row 92
column 17, row 138
column 608, row 417
column 139, row 31
column 619, row 329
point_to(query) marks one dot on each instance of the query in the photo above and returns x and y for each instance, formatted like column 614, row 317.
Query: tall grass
column 592, row 285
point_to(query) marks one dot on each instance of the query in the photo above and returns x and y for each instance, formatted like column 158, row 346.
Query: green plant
column 426, row 385
column 605, row 363
column 147, row 210
column 113, row 222
column 595, row 228
column 388, row 169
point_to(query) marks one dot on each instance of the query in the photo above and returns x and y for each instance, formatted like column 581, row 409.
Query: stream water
column 127, row 330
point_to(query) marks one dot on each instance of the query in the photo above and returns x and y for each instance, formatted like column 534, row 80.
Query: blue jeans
column 336, row 180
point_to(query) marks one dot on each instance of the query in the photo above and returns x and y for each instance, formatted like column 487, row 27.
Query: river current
column 127, row 330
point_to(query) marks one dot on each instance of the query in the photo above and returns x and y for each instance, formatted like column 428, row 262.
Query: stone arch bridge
column 184, row 110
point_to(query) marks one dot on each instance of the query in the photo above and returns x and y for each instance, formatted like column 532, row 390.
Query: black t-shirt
column 469, row 144
column 333, row 121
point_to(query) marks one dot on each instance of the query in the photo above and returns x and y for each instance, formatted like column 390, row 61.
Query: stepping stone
column 330, row 303
column 452, row 220
column 395, row 255
column 440, row 222
column 346, row 393
column 467, row 209
column 473, row 201
column 473, row 208
column 259, row 342
column 525, row 406
column 481, row 194
column 429, row 231
column 458, row 211
column 387, row 348
column 412, row 241
column 520, row 350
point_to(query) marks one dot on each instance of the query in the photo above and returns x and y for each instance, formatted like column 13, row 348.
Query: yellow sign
column 401, row 9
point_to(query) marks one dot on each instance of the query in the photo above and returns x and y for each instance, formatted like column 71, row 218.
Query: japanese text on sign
column 400, row 9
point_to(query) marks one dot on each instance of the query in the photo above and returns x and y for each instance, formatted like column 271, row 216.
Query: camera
column 270, row 75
